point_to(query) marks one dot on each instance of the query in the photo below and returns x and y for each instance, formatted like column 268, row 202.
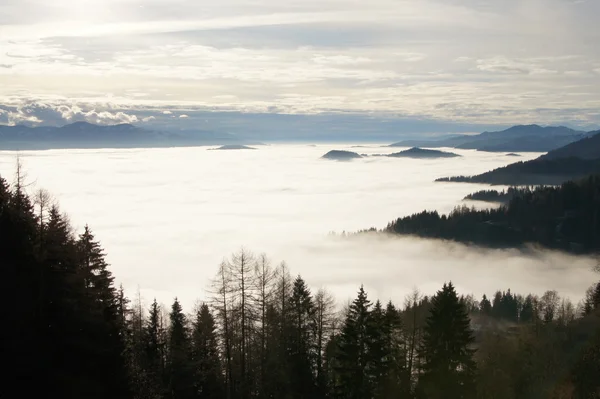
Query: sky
column 450, row 63
column 168, row 217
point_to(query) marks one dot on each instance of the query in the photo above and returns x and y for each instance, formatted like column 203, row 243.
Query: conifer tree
column 378, row 351
column 528, row 311
column 324, row 330
column 448, row 368
column 485, row 306
column 154, row 347
column 397, row 381
column 207, row 366
column 302, row 340
column 102, row 314
column 181, row 384
column 353, row 343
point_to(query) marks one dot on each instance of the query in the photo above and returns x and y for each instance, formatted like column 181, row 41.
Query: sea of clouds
column 168, row 217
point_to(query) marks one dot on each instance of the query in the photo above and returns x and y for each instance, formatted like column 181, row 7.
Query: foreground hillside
column 263, row 334
column 564, row 217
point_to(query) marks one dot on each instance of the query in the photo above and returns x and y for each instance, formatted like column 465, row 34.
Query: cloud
column 35, row 113
column 392, row 56
column 286, row 214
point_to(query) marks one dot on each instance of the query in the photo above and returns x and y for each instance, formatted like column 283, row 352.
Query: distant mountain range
column 528, row 138
column 88, row 135
column 573, row 161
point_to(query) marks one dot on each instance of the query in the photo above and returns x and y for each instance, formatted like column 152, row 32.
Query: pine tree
column 448, row 368
column 205, row 353
column 180, row 366
column 353, row 360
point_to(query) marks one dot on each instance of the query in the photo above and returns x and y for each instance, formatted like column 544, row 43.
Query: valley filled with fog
column 167, row 217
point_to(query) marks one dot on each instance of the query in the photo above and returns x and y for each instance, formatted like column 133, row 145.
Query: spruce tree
column 181, row 384
column 448, row 368
column 397, row 382
column 379, row 351
column 485, row 306
column 154, row 347
column 102, row 314
column 528, row 310
column 205, row 353
column 301, row 340
column 23, row 278
column 353, row 343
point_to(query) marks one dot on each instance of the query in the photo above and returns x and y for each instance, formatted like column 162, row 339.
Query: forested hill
column 534, row 172
column 564, row 217
column 572, row 161
column 587, row 148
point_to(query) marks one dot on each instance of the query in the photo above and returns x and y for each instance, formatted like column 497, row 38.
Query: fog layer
column 167, row 217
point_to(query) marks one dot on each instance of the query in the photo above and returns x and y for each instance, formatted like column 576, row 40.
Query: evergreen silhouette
column 205, row 356
column 353, row 358
column 180, row 372
column 448, row 369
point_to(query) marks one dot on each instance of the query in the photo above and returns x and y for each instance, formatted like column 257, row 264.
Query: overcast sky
column 467, row 61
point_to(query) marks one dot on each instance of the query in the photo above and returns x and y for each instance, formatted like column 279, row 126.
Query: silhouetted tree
column 448, row 367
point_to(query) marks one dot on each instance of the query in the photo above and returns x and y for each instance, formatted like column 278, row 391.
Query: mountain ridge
column 518, row 138
column 85, row 135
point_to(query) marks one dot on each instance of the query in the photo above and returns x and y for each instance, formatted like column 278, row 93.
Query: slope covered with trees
column 573, row 161
column 587, row 148
column 262, row 333
column 535, row 172
column 564, row 217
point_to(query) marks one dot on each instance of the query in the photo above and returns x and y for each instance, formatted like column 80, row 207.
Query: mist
column 167, row 217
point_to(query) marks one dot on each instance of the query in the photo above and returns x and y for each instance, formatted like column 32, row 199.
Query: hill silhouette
column 341, row 155
column 520, row 138
column 89, row 135
column 416, row 152
column 586, row 148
